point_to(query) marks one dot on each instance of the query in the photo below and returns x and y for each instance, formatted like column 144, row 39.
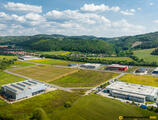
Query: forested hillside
column 149, row 40
column 69, row 44
column 84, row 43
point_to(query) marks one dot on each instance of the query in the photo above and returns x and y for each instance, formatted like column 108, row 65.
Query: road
column 51, row 85
column 111, row 80
column 62, row 88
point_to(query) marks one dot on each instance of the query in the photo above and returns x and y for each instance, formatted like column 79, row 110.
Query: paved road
column 111, row 80
column 51, row 85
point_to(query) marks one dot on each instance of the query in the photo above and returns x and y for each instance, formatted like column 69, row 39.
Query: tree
column 156, row 110
column 67, row 104
column 39, row 114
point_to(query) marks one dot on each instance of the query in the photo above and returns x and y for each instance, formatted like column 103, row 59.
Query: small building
column 141, row 71
column 23, row 89
column 133, row 92
column 90, row 66
column 28, row 58
column 73, row 65
column 117, row 67
column 155, row 71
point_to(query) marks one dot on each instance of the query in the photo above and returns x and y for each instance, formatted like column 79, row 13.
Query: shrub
column 67, row 104
column 39, row 114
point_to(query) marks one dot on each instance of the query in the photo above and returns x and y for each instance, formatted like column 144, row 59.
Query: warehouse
column 29, row 58
column 24, row 89
column 90, row 66
column 133, row 92
column 141, row 71
column 155, row 72
column 116, row 67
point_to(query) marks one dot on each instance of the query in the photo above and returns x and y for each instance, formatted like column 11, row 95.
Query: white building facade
column 24, row 89
column 133, row 92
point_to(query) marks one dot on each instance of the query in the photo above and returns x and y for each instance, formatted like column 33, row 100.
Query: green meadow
column 84, row 78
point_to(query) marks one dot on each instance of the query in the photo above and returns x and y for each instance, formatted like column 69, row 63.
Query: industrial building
column 90, row 66
column 133, row 92
column 23, row 89
column 141, row 71
column 73, row 65
column 117, row 67
column 155, row 72
column 29, row 58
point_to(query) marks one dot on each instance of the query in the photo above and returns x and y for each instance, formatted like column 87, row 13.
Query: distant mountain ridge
column 149, row 40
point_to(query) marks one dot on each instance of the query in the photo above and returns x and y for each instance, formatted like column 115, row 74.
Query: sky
column 102, row 18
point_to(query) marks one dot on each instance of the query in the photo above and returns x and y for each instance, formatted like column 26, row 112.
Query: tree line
column 135, row 62
column 5, row 63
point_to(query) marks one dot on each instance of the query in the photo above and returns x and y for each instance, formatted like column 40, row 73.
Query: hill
column 44, row 42
column 67, row 44
column 143, row 41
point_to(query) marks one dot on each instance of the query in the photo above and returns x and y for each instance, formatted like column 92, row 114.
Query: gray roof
column 23, row 85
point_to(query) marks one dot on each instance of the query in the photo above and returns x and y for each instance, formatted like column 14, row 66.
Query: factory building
column 73, row 65
column 141, row 71
column 90, row 66
column 28, row 58
column 23, row 89
column 133, row 92
column 117, row 67
column 155, row 72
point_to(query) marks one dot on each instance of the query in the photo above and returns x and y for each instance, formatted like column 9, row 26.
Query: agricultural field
column 6, row 78
column 44, row 73
column 52, row 62
column 146, row 55
column 140, row 79
column 95, row 107
column 8, row 57
column 21, row 64
column 84, row 78
column 113, row 58
column 55, row 53
column 52, row 103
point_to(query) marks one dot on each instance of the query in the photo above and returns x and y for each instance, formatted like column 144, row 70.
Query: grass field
column 6, row 78
column 139, row 79
column 21, row 64
column 51, row 102
column 52, row 62
column 8, row 57
column 55, row 53
column 113, row 58
column 84, row 78
column 95, row 107
column 92, row 107
column 44, row 73
column 146, row 55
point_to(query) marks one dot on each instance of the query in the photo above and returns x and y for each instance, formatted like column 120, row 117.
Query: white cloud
column 155, row 21
column 128, row 12
column 139, row 8
column 68, row 22
column 23, row 7
column 102, row 7
column 151, row 4
column 74, row 15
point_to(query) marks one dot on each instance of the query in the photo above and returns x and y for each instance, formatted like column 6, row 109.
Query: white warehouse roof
column 24, row 85
column 133, row 88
